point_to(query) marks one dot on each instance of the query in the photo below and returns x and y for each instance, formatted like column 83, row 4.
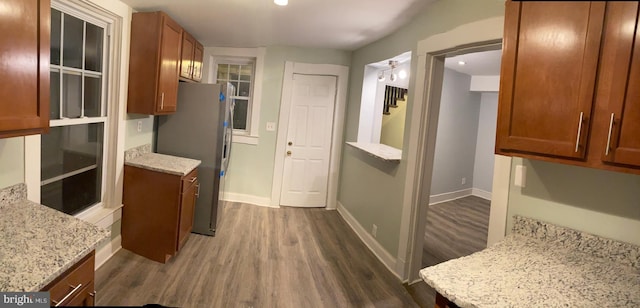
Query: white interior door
column 308, row 148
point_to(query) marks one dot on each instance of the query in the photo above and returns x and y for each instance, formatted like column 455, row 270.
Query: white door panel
column 306, row 168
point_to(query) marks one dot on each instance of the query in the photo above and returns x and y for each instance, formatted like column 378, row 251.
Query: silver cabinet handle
column 198, row 191
column 193, row 179
column 579, row 131
column 75, row 289
column 162, row 101
column 606, row 151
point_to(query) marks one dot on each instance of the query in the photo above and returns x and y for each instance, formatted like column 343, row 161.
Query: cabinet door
column 187, row 208
column 621, row 68
column 186, row 62
column 24, row 67
column 198, row 54
column 549, row 63
column 169, row 65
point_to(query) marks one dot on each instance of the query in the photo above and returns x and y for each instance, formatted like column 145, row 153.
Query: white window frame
column 116, row 18
column 218, row 55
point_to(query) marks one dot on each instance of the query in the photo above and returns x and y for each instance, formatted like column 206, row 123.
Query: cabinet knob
column 290, row 143
column 288, row 153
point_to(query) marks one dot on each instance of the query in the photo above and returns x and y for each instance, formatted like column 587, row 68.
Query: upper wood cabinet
column 568, row 89
column 198, row 56
column 156, row 42
column 548, row 76
column 191, row 60
column 24, row 67
column 620, row 86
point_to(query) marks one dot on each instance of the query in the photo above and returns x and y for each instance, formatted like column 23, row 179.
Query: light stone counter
column 164, row 163
column 542, row 265
column 37, row 243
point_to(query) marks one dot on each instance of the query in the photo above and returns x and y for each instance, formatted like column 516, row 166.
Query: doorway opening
column 462, row 175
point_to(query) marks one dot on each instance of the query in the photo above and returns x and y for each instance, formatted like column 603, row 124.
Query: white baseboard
column 481, row 193
column 250, row 199
column 449, row 196
column 385, row 257
column 105, row 252
column 434, row 199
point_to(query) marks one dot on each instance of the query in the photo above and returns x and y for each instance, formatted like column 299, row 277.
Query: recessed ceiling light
column 461, row 63
column 281, row 2
column 402, row 74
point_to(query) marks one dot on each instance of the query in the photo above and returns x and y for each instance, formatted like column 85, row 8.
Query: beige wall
column 393, row 125
column 600, row 202
column 11, row 161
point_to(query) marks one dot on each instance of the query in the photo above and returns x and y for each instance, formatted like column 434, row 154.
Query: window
column 243, row 68
column 72, row 153
column 239, row 73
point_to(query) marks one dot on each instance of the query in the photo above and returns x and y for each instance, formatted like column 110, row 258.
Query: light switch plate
column 271, row 126
column 520, row 178
column 139, row 128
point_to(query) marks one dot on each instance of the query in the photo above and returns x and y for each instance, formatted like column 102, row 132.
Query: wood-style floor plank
column 260, row 257
column 455, row 229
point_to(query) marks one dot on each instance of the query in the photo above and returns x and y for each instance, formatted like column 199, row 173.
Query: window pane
column 243, row 88
column 223, row 72
column 71, row 95
column 54, row 109
column 245, row 73
column 240, row 114
column 93, row 48
column 72, row 167
column 234, row 72
column 92, row 96
column 56, row 19
column 73, row 29
column 236, row 86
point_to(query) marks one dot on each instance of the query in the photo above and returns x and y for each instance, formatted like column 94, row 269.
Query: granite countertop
column 38, row 243
column 542, row 265
column 164, row 163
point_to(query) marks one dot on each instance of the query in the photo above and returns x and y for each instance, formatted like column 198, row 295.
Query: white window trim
column 252, row 135
column 118, row 18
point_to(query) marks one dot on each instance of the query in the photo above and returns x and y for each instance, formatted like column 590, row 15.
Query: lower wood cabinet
column 75, row 287
column 157, row 217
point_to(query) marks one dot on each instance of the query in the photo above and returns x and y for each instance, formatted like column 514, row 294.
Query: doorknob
column 288, row 153
column 290, row 143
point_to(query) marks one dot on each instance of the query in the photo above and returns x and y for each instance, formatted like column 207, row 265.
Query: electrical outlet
column 464, row 181
column 374, row 230
column 139, row 128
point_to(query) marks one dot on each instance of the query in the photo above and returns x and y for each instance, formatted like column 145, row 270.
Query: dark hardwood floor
column 260, row 257
column 455, row 229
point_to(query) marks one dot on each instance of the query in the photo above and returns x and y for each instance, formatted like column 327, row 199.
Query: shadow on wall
column 596, row 190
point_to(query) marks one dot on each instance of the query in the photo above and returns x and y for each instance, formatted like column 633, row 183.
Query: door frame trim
column 431, row 52
column 341, row 72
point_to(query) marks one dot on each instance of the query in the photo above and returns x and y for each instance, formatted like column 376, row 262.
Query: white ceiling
column 485, row 63
column 339, row 24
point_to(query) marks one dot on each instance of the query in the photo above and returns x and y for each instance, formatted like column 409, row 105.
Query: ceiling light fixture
column 461, row 63
column 281, row 2
column 392, row 76
column 402, row 74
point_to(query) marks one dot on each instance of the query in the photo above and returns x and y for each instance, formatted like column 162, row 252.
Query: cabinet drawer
column 189, row 180
column 74, row 280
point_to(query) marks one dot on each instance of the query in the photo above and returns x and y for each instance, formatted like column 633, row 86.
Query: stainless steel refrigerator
column 201, row 128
